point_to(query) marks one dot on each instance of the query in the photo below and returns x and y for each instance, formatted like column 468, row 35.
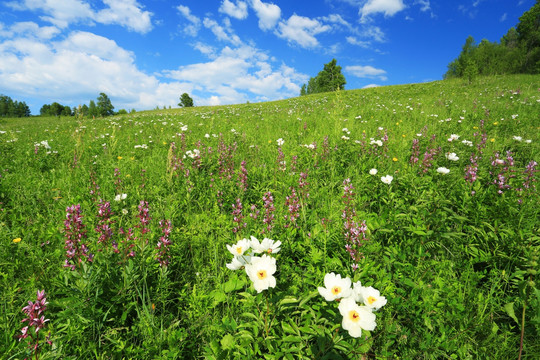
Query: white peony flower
column 452, row 156
column 266, row 246
column 335, row 287
column 443, row 170
column 261, row 271
column 373, row 172
column 356, row 318
column 240, row 247
column 387, row 179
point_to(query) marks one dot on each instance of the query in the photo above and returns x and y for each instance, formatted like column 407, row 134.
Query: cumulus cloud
column 238, row 73
column 366, row 72
column 267, row 13
column 387, row 7
column 77, row 68
column 127, row 13
column 237, row 11
column 301, row 30
column 222, row 33
column 195, row 23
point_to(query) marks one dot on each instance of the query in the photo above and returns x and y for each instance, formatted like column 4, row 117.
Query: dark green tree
column 329, row 78
column 92, row 109
column 104, row 105
column 185, row 100
column 528, row 30
column 11, row 108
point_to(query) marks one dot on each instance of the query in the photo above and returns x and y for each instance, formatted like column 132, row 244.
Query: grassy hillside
column 125, row 221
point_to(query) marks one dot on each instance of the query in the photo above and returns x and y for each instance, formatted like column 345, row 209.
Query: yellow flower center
column 354, row 316
column 261, row 274
column 336, row 290
column 371, row 300
column 239, row 249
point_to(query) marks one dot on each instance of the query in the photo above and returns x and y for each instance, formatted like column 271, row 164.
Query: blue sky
column 146, row 53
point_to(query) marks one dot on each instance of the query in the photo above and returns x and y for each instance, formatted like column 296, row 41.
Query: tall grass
column 454, row 254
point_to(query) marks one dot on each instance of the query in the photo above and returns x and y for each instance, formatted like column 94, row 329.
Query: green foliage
column 329, row 78
column 104, row 106
column 517, row 52
column 185, row 100
column 456, row 260
column 10, row 108
column 55, row 109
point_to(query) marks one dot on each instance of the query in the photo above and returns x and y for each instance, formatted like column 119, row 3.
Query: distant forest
column 517, row 53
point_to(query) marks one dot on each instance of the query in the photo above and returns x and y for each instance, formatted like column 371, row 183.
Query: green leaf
column 234, row 284
column 509, row 308
column 227, row 342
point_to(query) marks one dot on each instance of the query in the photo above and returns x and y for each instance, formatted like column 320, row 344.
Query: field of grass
column 124, row 222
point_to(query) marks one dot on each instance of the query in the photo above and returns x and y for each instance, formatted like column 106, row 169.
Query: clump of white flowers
column 356, row 302
column 259, row 269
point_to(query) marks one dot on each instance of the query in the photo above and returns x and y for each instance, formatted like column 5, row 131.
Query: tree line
column 518, row 52
column 103, row 107
column 13, row 108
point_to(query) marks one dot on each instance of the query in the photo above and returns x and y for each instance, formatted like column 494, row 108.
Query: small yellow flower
column 403, row 135
column 496, row 123
column 394, row 159
column 492, row 140
column 119, row 158
column 132, row 158
column 164, row 143
column 475, row 127
column 397, row 123
column 128, row 175
column 269, row 141
column 17, row 240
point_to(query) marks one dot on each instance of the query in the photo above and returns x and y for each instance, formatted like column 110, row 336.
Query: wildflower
column 238, row 262
column 443, row 170
column 17, row 240
column 371, row 297
column 453, row 137
column 467, row 142
column 335, row 287
column 240, row 247
column 356, row 318
column 120, row 197
column 518, row 138
column 34, row 316
column 387, row 179
column 261, row 271
column 280, row 141
column 452, row 156
column 373, row 172
column 119, row 158
column 394, row 159
column 267, row 245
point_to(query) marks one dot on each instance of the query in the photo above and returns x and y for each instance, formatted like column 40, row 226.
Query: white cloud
column 354, row 41
column 503, row 17
column 222, row 33
column 238, row 74
column 237, row 11
column 369, row 86
column 125, row 13
column 195, row 25
column 387, row 7
column 77, row 68
column 425, row 5
column 301, row 30
column 267, row 13
column 366, row 72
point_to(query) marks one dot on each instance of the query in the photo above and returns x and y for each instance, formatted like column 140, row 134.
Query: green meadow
column 427, row 193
